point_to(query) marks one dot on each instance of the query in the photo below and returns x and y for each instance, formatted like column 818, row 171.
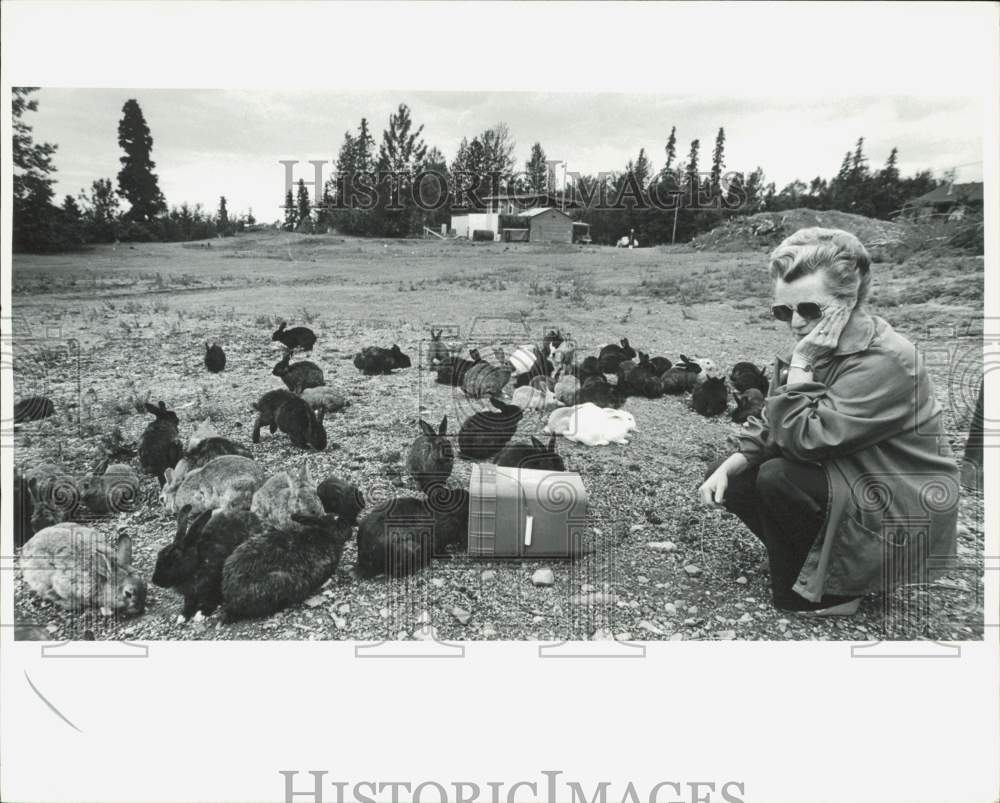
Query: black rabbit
column 632, row 377
column 748, row 403
column 192, row 564
column 588, row 367
column 160, row 447
column 660, row 365
column 33, row 408
column 535, row 455
column 274, row 569
column 611, row 355
column 282, row 409
column 453, row 370
column 681, row 377
column 597, row 390
column 376, row 360
column 746, row 375
column 401, row 536
column 298, row 337
column 710, row 397
column 485, row 433
column 215, row 358
column 298, row 376
column 341, row 497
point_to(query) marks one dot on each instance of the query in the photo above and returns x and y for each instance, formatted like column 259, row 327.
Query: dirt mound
column 765, row 230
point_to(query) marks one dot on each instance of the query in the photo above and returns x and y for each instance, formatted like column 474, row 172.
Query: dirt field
column 87, row 325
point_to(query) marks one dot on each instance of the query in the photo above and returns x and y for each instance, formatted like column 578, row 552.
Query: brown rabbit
column 431, row 456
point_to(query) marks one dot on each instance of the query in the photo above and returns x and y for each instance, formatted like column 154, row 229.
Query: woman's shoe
column 829, row 605
column 848, row 608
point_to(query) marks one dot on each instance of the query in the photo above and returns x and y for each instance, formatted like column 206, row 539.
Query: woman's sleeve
column 871, row 399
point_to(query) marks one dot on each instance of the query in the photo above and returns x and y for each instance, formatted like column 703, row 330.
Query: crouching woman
column 848, row 478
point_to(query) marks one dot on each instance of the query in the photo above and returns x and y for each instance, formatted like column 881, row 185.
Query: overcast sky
column 209, row 143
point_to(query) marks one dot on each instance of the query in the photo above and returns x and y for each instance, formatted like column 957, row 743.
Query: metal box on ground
column 525, row 513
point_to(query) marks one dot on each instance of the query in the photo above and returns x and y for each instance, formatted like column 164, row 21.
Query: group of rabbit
column 552, row 374
column 254, row 545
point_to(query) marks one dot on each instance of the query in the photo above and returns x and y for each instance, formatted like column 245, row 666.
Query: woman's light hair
column 839, row 254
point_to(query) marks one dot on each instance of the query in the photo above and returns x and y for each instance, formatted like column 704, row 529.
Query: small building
column 465, row 225
column 953, row 200
column 547, row 225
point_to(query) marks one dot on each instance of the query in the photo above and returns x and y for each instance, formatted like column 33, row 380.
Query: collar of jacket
column 857, row 336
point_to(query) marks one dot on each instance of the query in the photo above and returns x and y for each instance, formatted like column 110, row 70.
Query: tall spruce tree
column 718, row 162
column 303, row 208
column 291, row 216
column 222, row 217
column 400, row 155
column 137, row 182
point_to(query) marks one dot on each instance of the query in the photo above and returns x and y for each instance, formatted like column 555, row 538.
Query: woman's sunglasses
column 808, row 310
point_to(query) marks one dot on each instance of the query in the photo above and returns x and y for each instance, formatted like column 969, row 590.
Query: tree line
column 397, row 186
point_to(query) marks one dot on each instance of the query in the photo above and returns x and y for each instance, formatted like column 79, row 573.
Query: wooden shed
column 548, row 225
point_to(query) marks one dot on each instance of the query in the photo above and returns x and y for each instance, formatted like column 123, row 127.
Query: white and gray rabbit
column 225, row 482
column 285, row 494
column 72, row 566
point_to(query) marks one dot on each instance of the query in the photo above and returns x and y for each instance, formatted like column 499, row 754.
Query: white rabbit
column 591, row 425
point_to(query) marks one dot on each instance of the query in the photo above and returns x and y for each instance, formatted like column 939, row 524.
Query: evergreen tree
column 400, row 155
column 291, row 218
column 251, row 220
column 537, row 170
column 222, row 217
column 642, row 169
column 671, row 149
column 72, row 220
column 303, row 212
column 137, row 182
column 718, row 162
column 691, row 179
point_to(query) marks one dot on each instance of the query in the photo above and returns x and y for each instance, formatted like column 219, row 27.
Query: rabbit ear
column 103, row 567
column 124, row 551
column 536, row 443
column 552, row 443
column 426, row 428
column 304, row 476
column 168, row 473
column 151, row 409
column 443, row 426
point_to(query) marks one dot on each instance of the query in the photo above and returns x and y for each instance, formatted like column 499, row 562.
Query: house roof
column 971, row 192
column 539, row 210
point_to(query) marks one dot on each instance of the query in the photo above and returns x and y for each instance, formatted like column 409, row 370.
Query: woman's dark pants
column 784, row 504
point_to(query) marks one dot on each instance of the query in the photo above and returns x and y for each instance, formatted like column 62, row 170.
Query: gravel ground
column 91, row 329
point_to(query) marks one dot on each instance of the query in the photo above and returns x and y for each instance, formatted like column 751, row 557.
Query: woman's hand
column 713, row 490
column 824, row 337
